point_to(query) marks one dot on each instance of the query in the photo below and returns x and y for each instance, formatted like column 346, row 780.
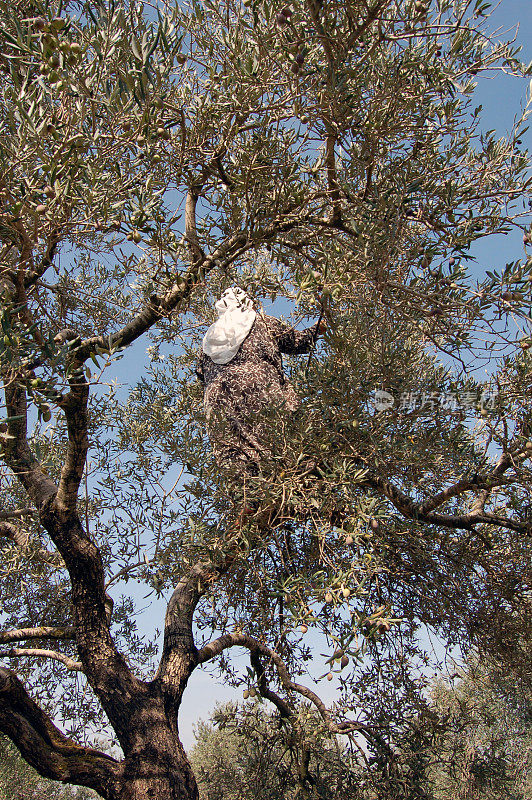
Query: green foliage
column 471, row 740
column 247, row 752
column 484, row 749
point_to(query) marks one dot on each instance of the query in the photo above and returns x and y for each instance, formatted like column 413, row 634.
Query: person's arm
column 292, row 341
column 199, row 368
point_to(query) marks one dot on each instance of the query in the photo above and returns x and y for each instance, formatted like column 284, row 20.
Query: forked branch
column 45, row 747
column 216, row 647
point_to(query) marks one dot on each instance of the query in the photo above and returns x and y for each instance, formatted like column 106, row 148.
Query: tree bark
column 155, row 763
column 158, row 766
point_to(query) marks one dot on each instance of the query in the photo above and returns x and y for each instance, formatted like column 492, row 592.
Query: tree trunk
column 159, row 770
column 155, row 764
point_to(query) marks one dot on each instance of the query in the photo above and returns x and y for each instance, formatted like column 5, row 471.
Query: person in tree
column 241, row 369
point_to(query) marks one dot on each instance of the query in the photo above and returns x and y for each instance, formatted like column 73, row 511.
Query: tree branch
column 179, row 656
column 45, row 747
column 74, row 404
column 332, row 178
column 196, row 253
column 313, row 9
column 106, row 669
column 412, row 510
column 16, row 513
column 372, row 15
column 281, row 705
column 17, row 453
column 22, row 634
column 47, row 260
column 9, row 531
column 16, row 652
column 216, row 647
column 161, row 306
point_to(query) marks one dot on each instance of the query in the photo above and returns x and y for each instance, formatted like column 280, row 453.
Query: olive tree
column 248, row 752
column 329, row 155
column 484, row 748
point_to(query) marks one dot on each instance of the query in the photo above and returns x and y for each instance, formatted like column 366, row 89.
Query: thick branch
column 458, row 488
column 47, row 260
column 45, row 747
column 17, row 453
column 227, row 252
column 504, row 463
column 35, row 652
column 179, row 657
column 281, row 705
column 16, row 513
column 74, row 405
column 23, row 634
column 180, row 654
column 332, row 178
column 9, row 531
column 105, row 667
column 196, row 253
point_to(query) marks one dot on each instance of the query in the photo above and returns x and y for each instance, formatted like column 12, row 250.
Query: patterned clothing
column 236, row 393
